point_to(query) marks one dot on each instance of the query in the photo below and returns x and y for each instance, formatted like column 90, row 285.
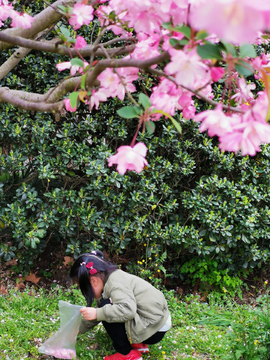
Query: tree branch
column 52, row 96
column 194, row 91
column 7, row 95
column 48, row 102
column 117, row 63
column 17, row 56
column 43, row 20
column 47, row 47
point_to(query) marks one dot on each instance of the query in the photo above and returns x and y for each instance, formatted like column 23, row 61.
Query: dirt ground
column 52, row 268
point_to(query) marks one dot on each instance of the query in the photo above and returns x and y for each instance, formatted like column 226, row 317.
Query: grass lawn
column 216, row 329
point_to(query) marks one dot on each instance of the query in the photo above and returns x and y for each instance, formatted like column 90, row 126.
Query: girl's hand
column 89, row 313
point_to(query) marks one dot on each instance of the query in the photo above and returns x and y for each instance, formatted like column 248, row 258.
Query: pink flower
column 246, row 137
column 108, row 79
column 80, row 42
column 146, row 48
column 215, row 121
column 244, row 94
column 189, row 112
column 129, row 158
column 236, row 21
column 217, row 73
column 113, row 84
column 147, row 21
column 73, row 68
column 7, row 11
column 235, row 142
column 81, row 15
column 164, row 102
column 187, row 67
column 185, row 100
column 97, row 97
column 260, row 107
column 165, row 97
column 102, row 12
column 68, row 105
column 167, row 5
column 22, row 20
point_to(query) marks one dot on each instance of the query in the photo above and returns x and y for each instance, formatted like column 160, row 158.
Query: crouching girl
column 134, row 313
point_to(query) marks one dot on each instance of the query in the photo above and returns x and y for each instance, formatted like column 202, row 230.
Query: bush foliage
column 209, row 211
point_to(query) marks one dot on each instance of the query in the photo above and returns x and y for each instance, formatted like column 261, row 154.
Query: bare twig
column 194, row 91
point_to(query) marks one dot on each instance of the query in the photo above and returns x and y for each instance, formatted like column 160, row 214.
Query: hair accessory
column 90, row 266
column 83, row 263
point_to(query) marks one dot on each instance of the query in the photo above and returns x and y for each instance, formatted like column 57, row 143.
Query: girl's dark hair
column 81, row 272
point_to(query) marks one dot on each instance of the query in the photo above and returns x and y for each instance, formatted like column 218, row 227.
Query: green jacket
column 138, row 304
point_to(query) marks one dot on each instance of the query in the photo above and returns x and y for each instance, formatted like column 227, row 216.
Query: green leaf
column 239, row 353
column 167, row 25
column 83, row 82
column 70, row 40
column 201, row 35
column 63, row 8
column 144, row 100
column 112, row 15
column 230, row 49
column 77, row 62
column 40, row 233
column 73, row 97
column 183, row 42
column 150, row 126
column 209, row 51
column 243, row 68
column 174, row 42
column 65, row 31
column 127, row 112
column 4, row 176
column 138, row 110
column 184, row 30
column 33, row 244
column 177, row 125
column 247, row 50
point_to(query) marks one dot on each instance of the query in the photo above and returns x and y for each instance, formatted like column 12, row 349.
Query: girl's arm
column 123, row 307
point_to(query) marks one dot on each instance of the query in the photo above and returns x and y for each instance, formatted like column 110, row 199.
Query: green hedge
column 207, row 211
column 192, row 201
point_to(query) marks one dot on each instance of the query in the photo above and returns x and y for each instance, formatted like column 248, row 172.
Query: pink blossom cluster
column 186, row 74
column 117, row 83
column 73, row 68
column 237, row 132
column 81, row 15
column 18, row 20
column 168, row 97
column 235, row 21
column 129, row 158
column 147, row 16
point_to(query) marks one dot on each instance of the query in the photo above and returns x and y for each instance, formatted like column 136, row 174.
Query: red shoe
column 133, row 355
column 142, row 348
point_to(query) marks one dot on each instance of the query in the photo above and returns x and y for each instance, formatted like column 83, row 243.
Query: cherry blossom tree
column 187, row 45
